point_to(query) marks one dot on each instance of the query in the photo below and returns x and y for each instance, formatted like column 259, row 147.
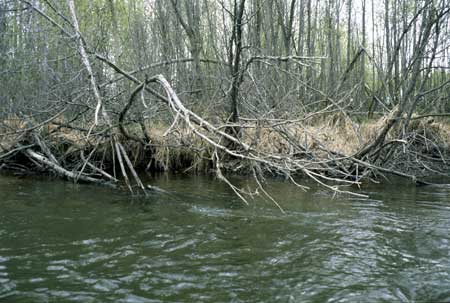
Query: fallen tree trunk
column 63, row 172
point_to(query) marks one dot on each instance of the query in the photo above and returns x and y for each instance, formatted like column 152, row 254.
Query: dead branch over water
column 287, row 148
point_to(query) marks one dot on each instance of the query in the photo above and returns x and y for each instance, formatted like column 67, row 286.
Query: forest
column 342, row 92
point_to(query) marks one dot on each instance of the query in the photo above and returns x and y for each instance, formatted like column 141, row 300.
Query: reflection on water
column 61, row 242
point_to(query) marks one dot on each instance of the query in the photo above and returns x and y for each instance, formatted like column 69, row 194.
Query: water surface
column 61, row 242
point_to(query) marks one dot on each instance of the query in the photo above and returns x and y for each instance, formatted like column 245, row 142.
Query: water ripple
column 84, row 248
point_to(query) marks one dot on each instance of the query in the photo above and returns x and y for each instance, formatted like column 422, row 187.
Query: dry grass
column 182, row 149
column 8, row 127
column 336, row 133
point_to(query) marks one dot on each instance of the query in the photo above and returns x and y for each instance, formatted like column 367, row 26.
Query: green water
column 61, row 242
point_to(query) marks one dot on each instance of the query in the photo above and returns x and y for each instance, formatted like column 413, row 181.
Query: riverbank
column 319, row 147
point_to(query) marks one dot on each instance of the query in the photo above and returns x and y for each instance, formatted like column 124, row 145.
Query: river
column 61, row 242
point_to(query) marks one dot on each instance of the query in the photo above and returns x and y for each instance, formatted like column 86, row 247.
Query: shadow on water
column 61, row 242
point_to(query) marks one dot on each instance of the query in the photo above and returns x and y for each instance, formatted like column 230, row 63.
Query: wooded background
column 229, row 58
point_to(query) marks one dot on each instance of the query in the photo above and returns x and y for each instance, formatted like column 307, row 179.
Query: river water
column 61, row 242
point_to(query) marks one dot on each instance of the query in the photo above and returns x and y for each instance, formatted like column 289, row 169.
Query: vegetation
column 335, row 90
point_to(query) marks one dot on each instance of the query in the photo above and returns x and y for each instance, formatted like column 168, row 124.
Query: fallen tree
column 317, row 159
